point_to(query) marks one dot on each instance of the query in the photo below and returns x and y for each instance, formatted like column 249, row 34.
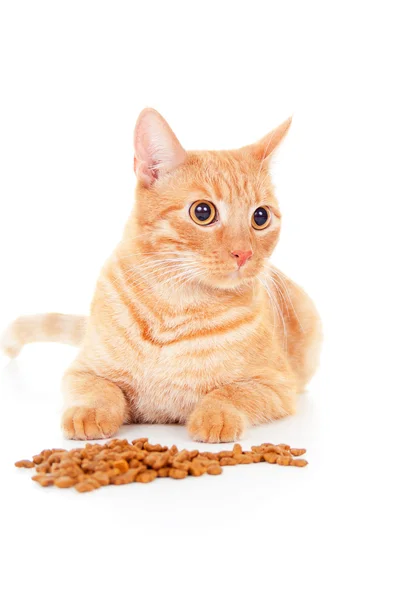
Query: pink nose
column 241, row 256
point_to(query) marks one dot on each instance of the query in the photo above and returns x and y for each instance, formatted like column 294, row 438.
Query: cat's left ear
column 157, row 149
column 267, row 145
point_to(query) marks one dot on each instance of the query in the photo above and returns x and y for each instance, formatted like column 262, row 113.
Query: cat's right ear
column 157, row 149
column 267, row 145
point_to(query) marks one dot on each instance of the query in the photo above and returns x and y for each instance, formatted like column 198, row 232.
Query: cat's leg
column 94, row 407
column 223, row 414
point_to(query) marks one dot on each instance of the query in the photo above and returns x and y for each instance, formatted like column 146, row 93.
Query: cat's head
column 209, row 217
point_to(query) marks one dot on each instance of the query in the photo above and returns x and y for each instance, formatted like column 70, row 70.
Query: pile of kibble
column 118, row 462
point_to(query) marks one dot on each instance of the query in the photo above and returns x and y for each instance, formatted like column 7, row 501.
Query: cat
column 190, row 322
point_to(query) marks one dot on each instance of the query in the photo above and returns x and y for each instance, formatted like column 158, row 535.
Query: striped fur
column 177, row 333
column 51, row 327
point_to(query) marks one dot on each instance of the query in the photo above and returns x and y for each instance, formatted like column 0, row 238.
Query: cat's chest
column 190, row 364
column 170, row 380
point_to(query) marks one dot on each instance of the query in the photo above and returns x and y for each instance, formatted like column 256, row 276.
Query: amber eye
column 203, row 212
column 261, row 218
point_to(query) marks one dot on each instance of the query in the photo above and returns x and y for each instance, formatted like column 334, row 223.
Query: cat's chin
column 233, row 280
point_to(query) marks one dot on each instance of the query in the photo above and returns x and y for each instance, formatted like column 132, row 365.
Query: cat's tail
column 50, row 327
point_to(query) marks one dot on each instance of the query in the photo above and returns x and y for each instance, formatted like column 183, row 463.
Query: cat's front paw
column 87, row 423
column 216, row 422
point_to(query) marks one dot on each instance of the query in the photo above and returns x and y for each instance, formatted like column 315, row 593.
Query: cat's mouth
column 237, row 274
column 246, row 271
column 233, row 278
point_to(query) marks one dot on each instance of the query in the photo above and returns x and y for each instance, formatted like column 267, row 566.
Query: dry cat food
column 119, row 462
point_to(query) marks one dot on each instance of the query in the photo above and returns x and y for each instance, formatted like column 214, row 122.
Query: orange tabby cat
column 189, row 323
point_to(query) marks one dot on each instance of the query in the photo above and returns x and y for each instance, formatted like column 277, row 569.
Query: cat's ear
column 157, row 150
column 267, row 145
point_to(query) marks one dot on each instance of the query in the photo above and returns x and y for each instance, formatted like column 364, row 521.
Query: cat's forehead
column 232, row 177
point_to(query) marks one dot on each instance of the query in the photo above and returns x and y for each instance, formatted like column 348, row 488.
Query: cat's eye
column 261, row 218
column 203, row 212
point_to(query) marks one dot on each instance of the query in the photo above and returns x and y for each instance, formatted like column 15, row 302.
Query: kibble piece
column 183, row 465
column 101, row 477
column 121, row 465
column 84, row 486
column 182, row 456
column 112, row 473
column 68, row 472
column 206, row 462
column 112, row 457
column 297, row 451
column 139, row 454
column 122, row 479
column 298, row 462
column 263, row 448
column 209, row 455
column 237, row 449
column 44, row 480
column 196, row 469
column 25, row 464
column 44, row 467
column 127, row 477
column 270, row 457
column 281, row 451
column 103, row 454
column 101, row 465
column 37, row 459
column 146, row 476
column 56, row 467
column 154, row 448
column 178, row 473
column 163, row 472
column 193, row 454
column 156, row 460
column 284, row 461
column 64, row 463
column 93, row 482
column 97, row 447
column 225, row 454
column 118, row 449
column 128, row 454
column 38, row 477
column 257, row 458
column 214, row 470
column 244, row 459
column 55, row 457
column 284, row 446
column 140, row 441
column 200, row 460
column 58, row 472
column 113, row 443
column 88, row 465
column 227, row 462
column 64, row 482
column 273, row 448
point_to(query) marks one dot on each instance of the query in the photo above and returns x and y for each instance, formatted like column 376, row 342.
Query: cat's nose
column 241, row 256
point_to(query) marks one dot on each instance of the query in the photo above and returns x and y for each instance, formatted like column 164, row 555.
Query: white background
column 74, row 76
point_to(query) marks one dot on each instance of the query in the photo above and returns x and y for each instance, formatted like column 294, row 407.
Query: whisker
column 283, row 283
column 274, row 301
column 271, row 302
